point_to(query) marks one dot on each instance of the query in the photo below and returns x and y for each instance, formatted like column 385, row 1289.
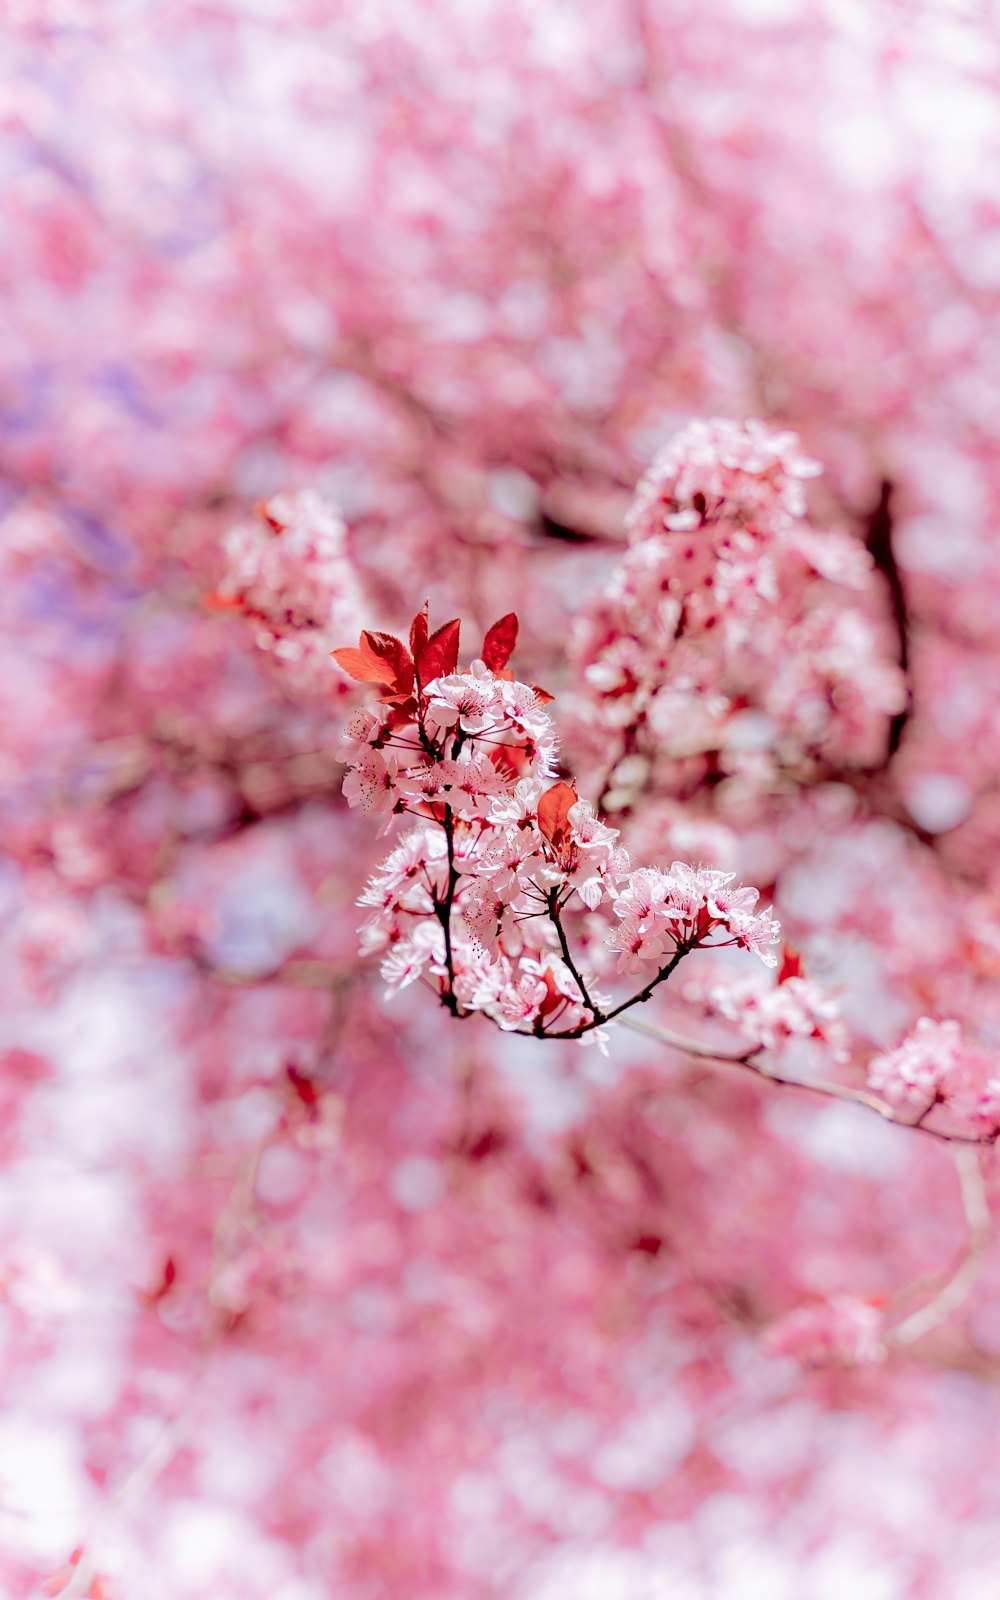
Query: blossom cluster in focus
column 478, row 895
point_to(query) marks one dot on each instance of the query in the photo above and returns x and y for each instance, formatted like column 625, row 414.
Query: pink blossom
column 643, row 895
column 921, row 1070
column 290, row 573
column 520, row 805
column 759, row 932
column 743, row 468
column 686, row 907
column 637, row 944
column 769, row 1013
column 465, row 702
column 375, row 1300
column 507, row 861
column 472, row 782
column 482, row 912
column 409, row 958
column 370, row 784
column 677, row 651
column 364, row 728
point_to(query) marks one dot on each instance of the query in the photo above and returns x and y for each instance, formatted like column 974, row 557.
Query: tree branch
column 138, row 1483
column 878, row 538
column 820, row 1086
column 556, row 920
column 959, row 1285
column 443, row 910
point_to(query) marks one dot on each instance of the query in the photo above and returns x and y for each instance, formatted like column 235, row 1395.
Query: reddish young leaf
column 553, row 809
column 791, row 964
column 386, row 647
column 554, row 998
column 168, row 1277
column 214, row 601
column 418, row 633
column 510, row 760
column 379, row 658
column 361, row 666
column 544, row 698
column 304, row 1088
column 261, row 510
column 498, row 646
column 439, row 656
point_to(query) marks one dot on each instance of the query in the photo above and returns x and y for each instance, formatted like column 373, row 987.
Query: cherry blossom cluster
column 477, row 896
column 724, row 579
column 717, row 470
column 290, row 573
column 773, row 1011
column 936, row 1065
column 460, row 262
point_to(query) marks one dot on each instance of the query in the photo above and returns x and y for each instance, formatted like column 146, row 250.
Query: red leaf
column 418, row 633
column 262, row 510
column 361, row 666
column 543, row 696
column 510, row 760
column 168, row 1277
column 384, row 647
column 553, row 997
column 791, row 964
column 439, row 656
column 215, row 601
column 379, row 658
column 304, row 1088
column 498, row 646
column 553, row 809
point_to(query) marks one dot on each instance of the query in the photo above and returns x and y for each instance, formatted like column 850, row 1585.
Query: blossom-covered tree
column 655, row 344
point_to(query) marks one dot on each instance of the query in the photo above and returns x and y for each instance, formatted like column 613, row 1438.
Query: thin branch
column 552, row 528
column 556, row 919
column 880, row 548
column 138, row 1483
column 959, row 1285
column 821, row 1086
column 443, row 910
column 625, row 1005
column 297, row 974
column 691, row 1047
